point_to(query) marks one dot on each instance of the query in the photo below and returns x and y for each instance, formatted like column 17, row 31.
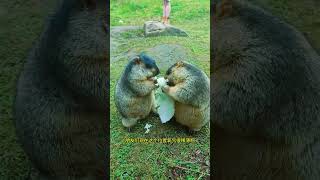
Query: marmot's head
column 180, row 72
column 142, row 67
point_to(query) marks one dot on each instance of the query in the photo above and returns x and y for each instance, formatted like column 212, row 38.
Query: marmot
column 62, row 94
column 190, row 89
column 265, row 97
column 134, row 95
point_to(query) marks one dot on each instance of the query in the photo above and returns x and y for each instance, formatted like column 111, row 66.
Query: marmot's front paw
column 165, row 88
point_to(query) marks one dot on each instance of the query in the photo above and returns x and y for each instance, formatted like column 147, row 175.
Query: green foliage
column 135, row 12
column 159, row 160
column 21, row 22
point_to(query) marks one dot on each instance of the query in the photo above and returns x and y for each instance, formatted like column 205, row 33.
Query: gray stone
column 156, row 28
column 166, row 55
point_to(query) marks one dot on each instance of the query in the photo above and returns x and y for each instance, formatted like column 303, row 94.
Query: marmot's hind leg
column 129, row 122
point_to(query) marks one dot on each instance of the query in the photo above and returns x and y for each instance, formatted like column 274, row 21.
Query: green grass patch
column 159, row 160
column 135, row 12
column 21, row 23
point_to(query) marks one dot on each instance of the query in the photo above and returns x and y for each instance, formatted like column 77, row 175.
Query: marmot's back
column 134, row 91
column 263, row 69
column 62, row 95
column 190, row 88
column 265, row 96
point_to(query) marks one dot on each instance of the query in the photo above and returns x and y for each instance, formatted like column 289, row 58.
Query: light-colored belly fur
column 190, row 116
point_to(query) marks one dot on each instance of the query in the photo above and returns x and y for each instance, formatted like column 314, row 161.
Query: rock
column 166, row 55
column 156, row 28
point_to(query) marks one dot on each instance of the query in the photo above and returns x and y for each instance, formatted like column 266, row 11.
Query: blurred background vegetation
column 158, row 160
column 21, row 22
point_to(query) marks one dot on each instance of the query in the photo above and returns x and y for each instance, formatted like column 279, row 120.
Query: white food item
column 165, row 106
column 162, row 81
column 147, row 127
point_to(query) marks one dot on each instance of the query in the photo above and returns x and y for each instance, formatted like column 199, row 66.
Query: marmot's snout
column 155, row 70
column 168, row 77
column 169, row 81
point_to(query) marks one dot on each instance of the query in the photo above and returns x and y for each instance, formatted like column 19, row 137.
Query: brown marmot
column 190, row 88
column 134, row 96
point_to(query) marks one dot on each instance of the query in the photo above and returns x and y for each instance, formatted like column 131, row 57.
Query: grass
column 20, row 24
column 132, row 12
column 159, row 160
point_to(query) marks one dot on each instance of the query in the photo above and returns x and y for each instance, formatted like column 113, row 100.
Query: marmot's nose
column 155, row 71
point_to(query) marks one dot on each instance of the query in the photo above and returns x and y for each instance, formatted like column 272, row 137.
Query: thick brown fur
column 62, row 95
column 134, row 95
column 190, row 88
column 265, row 97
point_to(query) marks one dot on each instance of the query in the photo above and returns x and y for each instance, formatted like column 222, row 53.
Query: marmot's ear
column 137, row 60
column 180, row 64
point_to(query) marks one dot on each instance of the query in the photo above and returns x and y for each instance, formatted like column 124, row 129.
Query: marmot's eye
column 148, row 66
column 169, row 71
